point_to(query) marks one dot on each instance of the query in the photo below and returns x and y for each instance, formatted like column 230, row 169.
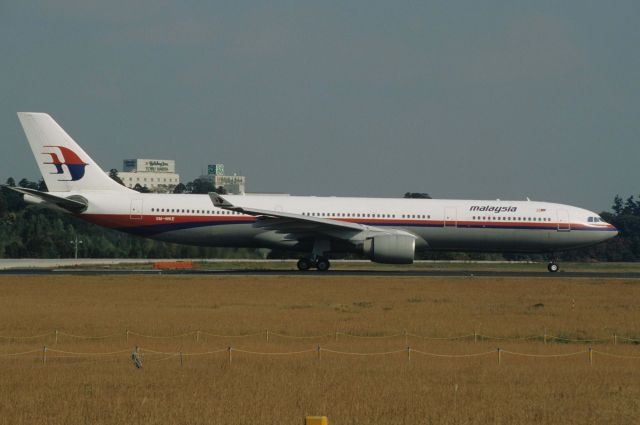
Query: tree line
column 30, row 231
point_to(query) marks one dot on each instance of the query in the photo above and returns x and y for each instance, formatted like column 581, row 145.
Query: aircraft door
column 135, row 212
column 563, row 221
column 450, row 217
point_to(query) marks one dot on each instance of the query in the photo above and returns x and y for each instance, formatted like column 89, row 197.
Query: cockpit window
column 590, row 219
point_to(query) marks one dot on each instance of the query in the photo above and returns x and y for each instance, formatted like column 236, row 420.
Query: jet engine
column 390, row 249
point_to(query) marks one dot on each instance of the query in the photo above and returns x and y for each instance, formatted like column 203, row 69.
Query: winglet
column 220, row 202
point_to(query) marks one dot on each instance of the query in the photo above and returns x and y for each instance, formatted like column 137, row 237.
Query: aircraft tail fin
column 64, row 165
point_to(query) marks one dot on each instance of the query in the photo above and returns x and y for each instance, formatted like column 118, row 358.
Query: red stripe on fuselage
column 126, row 221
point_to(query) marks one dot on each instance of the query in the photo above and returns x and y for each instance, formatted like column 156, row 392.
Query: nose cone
column 608, row 232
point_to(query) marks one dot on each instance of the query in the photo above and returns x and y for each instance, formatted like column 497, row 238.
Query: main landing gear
column 320, row 263
column 318, row 260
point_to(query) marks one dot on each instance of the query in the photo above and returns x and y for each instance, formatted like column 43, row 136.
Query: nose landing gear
column 553, row 266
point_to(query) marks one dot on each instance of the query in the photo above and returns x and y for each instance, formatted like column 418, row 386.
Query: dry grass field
column 350, row 389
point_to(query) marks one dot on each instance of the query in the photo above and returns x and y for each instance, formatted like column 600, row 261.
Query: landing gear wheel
column 304, row 264
column 553, row 267
column 323, row 264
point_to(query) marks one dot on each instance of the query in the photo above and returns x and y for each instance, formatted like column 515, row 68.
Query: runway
column 316, row 274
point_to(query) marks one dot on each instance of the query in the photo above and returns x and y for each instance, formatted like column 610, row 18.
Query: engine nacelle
column 390, row 249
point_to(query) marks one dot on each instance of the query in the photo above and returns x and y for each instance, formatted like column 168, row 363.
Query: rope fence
column 138, row 354
column 269, row 335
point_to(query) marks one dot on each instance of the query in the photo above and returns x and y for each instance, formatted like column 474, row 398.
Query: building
column 157, row 175
column 232, row 184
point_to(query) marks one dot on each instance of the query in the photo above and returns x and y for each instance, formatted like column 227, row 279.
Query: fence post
column 197, row 336
column 499, row 356
column 267, row 335
column 590, row 356
column 475, row 336
column 408, row 353
column 181, row 363
column 127, row 334
column 545, row 335
column 336, row 335
column 319, row 350
column 229, row 350
column 56, row 337
column 615, row 339
column 44, row 355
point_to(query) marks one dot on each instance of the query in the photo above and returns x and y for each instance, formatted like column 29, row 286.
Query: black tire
column 553, row 267
column 304, row 264
column 323, row 264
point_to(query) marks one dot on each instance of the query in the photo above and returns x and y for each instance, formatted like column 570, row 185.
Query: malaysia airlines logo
column 70, row 159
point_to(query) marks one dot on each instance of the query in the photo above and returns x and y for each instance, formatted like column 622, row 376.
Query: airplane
column 384, row 230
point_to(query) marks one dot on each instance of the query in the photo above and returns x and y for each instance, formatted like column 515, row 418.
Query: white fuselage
column 438, row 224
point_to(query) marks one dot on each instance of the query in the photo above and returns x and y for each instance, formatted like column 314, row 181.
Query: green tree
column 202, row 186
column 42, row 186
column 617, row 204
column 113, row 173
column 28, row 184
column 180, row 188
column 142, row 189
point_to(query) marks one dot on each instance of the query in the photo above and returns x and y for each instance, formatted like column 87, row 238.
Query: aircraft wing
column 286, row 222
column 64, row 203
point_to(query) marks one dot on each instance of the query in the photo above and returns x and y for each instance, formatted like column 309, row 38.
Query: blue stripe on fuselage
column 154, row 229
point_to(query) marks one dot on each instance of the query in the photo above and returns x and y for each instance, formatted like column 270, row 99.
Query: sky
column 459, row 99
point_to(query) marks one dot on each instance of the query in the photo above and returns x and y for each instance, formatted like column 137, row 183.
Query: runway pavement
column 330, row 273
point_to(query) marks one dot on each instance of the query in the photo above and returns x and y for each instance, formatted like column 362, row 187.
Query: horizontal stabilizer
column 71, row 205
